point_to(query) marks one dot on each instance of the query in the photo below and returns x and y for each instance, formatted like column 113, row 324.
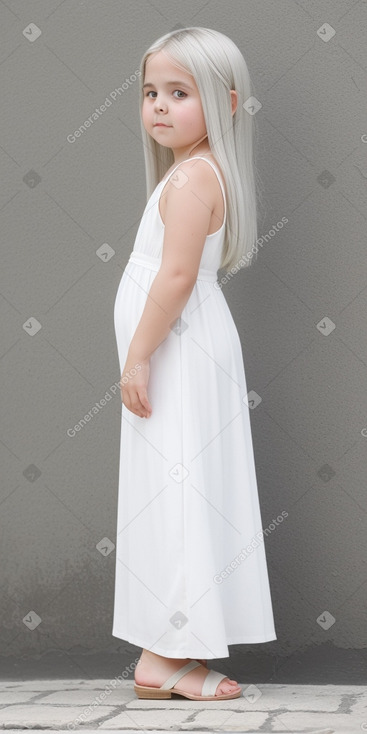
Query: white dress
column 191, row 574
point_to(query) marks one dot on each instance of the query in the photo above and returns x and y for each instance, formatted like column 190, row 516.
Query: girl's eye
column 151, row 91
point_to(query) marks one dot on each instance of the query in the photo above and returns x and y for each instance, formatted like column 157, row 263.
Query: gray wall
column 69, row 215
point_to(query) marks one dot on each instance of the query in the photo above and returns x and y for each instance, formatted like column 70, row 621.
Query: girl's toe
column 227, row 686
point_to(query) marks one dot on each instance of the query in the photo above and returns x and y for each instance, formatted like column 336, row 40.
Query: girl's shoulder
column 213, row 191
column 189, row 162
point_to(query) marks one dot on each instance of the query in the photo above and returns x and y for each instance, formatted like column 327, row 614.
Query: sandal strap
column 211, row 682
column 175, row 677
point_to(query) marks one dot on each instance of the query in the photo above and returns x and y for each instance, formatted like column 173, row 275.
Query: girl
column 191, row 572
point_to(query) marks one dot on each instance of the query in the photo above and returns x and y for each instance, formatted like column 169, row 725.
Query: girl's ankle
column 152, row 657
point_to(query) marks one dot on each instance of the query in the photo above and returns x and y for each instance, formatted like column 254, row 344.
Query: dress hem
column 184, row 653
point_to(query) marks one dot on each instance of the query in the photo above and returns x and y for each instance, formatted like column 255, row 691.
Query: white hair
column 218, row 66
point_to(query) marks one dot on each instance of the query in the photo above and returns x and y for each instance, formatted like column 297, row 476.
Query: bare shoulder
column 197, row 177
column 199, row 169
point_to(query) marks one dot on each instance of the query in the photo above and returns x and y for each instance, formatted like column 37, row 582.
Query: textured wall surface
column 70, row 207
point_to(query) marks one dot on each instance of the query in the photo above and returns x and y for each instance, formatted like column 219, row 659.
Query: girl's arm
column 166, row 300
column 189, row 205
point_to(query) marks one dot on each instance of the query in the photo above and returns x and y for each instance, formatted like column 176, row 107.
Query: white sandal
column 207, row 692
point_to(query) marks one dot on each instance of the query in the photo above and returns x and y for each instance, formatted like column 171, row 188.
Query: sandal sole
column 153, row 692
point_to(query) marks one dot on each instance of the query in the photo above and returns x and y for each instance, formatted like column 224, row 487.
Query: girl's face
column 171, row 97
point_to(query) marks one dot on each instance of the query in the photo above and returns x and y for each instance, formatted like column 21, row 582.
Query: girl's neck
column 185, row 158
column 193, row 152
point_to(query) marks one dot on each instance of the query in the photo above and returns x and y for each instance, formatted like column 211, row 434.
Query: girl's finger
column 144, row 400
column 138, row 404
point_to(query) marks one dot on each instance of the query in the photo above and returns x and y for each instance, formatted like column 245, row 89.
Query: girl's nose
column 160, row 105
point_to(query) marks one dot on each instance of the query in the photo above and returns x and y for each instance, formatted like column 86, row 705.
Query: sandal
column 207, row 692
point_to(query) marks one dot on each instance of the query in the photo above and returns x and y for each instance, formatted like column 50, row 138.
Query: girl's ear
column 234, row 98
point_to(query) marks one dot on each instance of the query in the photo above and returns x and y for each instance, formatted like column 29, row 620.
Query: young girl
column 191, row 572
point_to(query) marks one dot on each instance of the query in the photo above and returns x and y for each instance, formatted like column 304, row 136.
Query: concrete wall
column 300, row 311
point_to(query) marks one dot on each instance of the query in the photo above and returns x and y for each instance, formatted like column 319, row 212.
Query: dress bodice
column 150, row 234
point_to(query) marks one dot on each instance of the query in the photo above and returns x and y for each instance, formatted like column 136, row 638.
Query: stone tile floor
column 111, row 705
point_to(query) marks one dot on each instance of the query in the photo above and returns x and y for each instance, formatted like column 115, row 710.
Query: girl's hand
column 134, row 387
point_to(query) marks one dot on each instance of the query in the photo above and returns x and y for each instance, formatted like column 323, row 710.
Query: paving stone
column 74, row 697
column 358, row 705
column 228, row 720
column 8, row 697
column 56, row 684
column 30, row 716
column 161, row 719
column 68, row 705
column 86, row 690
column 177, row 702
column 314, row 722
column 151, row 731
column 210, row 718
column 292, row 698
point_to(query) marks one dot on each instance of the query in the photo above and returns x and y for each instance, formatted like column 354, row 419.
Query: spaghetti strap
column 214, row 167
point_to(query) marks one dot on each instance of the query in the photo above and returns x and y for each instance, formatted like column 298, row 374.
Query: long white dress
column 191, row 574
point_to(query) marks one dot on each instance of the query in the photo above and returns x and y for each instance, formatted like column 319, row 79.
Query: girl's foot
column 153, row 670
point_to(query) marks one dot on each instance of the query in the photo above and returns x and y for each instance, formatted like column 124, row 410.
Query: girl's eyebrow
column 180, row 84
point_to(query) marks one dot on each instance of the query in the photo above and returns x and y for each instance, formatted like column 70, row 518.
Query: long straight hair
column 217, row 66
